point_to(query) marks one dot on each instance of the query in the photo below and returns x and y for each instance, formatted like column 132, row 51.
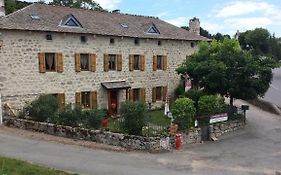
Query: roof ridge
column 94, row 10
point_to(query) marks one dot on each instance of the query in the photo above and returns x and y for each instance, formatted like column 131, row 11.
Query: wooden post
column 126, row 94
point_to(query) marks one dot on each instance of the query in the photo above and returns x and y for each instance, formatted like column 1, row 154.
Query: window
column 70, row 21
column 61, row 99
column 137, row 94
column 153, row 30
column 50, row 62
column 159, row 43
column 83, row 39
column 159, row 62
column 49, row 37
column 112, row 41
column 86, row 99
column 84, row 62
column 137, row 41
column 192, row 44
column 112, row 62
column 136, row 62
column 159, row 93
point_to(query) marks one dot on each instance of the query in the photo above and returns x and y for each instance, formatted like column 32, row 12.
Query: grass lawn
column 16, row 167
column 158, row 118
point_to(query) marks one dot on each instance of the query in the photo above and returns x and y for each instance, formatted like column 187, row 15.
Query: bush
column 211, row 104
column 43, row 108
column 183, row 111
column 93, row 118
column 195, row 95
column 179, row 91
column 133, row 114
column 69, row 116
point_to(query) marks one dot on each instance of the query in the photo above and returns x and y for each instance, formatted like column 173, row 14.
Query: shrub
column 211, row 104
column 133, row 114
column 69, row 116
column 183, row 111
column 179, row 91
column 93, row 118
column 43, row 108
column 195, row 95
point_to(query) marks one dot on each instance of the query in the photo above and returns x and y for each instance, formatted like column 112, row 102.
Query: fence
column 149, row 130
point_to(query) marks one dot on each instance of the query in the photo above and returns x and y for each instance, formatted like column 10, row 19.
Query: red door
column 113, row 102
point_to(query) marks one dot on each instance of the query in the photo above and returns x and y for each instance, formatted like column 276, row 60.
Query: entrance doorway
column 113, row 102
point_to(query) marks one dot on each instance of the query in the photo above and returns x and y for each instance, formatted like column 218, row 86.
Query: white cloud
column 237, row 8
column 108, row 4
column 211, row 27
column 179, row 21
column 248, row 23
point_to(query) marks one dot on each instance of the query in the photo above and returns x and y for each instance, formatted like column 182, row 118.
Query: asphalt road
column 255, row 150
column 274, row 92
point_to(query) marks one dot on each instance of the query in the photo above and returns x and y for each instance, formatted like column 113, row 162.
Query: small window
column 124, row 25
column 136, row 95
column 111, row 41
column 49, row 37
column 159, row 43
column 159, row 93
column 160, row 62
column 83, row 39
column 112, row 62
column 50, row 62
column 86, row 100
column 137, row 41
column 85, row 62
column 192, row 44
column 137, row 60
column 70, row 21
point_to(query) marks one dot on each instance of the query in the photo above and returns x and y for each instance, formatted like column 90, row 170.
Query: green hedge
column 183, row 111
column 211, row 104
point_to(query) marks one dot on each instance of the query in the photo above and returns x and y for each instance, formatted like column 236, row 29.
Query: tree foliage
column 261, row 42
column 183, row 111
column 223, row 68
column 14, row 5
column 85, row 4
column 133, row 113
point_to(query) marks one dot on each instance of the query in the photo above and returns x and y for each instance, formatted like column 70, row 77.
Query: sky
column 224, row 16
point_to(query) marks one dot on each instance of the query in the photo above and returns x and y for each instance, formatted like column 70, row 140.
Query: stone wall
column 130, row 142
column 218, row 129
column 21, row 81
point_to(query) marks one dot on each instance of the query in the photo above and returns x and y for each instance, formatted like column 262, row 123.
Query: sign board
column 218, row 118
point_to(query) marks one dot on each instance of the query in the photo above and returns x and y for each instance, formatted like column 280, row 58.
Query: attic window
column 70, row 21
column 35, row 17
column 124, row 25
column 153, row 30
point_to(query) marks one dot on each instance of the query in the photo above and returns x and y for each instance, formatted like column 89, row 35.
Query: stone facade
column 20, row 80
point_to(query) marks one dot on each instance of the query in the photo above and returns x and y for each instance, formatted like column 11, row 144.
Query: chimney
column 194, row 25
column 2, row 8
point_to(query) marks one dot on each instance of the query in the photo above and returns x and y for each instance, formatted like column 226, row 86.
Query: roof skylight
column 124, row 25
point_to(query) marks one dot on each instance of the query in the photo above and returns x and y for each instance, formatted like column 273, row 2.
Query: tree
column 223, row 68
column 262, row 43
column 85, row 4
column 13, row 5
column 203, row 32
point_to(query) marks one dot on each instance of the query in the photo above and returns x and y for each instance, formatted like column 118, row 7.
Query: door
column 113, row 102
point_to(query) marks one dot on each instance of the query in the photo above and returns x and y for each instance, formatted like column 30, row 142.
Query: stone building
column 91, row 58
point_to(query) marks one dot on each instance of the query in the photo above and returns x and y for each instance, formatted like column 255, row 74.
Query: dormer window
column 70, row 21
column 153, row 30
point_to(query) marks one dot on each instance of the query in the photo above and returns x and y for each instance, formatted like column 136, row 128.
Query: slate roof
column 93, row 22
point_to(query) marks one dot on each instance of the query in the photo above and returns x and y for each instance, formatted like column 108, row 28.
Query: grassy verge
column 16, row 167
column 158, row 118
